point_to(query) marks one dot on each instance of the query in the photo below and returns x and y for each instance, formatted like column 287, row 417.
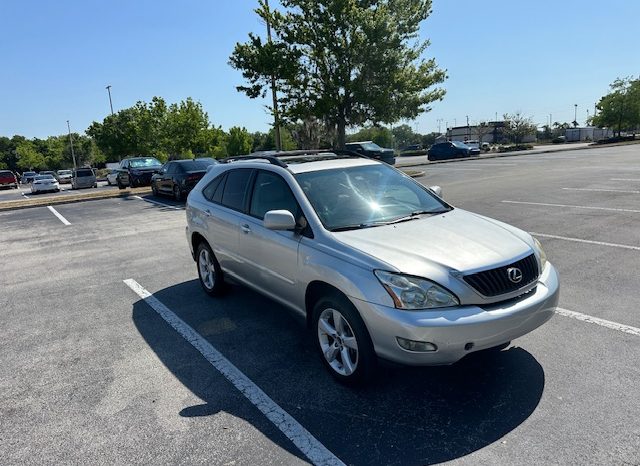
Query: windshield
column 459, row 144
column 365, row 196
column 370, row 146
column 44, row 177
column 144, row 162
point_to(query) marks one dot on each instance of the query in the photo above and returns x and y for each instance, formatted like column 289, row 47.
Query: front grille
column 496, row 282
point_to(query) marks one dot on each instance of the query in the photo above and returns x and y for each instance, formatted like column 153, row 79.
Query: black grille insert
column 495, row 282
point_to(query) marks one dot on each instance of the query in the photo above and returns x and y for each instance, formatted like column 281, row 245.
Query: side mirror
column 279, row 220
column 437, row 190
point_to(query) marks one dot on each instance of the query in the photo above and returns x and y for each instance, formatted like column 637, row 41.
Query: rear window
column 5, row 173
column 235, row 188
column 144, row 163
column 193, row 165
column 84, row 172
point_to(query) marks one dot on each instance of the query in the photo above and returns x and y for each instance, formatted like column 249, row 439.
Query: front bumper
column 459, row 331
column 38, row 188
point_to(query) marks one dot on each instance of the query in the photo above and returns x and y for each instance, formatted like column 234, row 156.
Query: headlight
column 410, row 292
column 543, row 256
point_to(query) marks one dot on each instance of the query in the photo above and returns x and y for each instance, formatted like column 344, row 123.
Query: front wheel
column 209, row 271
column 177, row 194
column 154, row 189
column 120, row 185
column 343, row 341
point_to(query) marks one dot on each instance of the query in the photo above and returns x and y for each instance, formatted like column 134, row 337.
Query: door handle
column 245, row 229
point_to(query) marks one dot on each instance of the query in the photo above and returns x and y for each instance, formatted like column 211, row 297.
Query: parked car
column 373, row 151
column 8, row 179
column 44, row 183
column 112, row 177
column 27, row 177
column 84, row 178
column 137, row 171
column 450, row 150
column 64, row 176
column 48, row 172
column 378, row 265
column 178, row 177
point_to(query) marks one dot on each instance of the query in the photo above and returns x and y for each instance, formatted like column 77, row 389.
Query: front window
column 459, row 144
column 146, row 162
column 366, row 196
column 370, row 146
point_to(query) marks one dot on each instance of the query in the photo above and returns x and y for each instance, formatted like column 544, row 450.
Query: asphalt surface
column 90, row 373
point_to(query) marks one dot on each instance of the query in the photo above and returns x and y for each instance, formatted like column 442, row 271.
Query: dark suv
column 451, row 150
column 373, row 151
column 137, row 171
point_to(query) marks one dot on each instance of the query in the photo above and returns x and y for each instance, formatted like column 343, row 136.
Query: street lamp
column 108, row 88
column 73, row 155
column 575, row 115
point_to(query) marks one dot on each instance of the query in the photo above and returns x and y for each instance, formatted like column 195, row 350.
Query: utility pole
column 439, row 123
column 276, row 118
column 73, row 155
column 467, row 127
column 110, row 103
column 575, row 115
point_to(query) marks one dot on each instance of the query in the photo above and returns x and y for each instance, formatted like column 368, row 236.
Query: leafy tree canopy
column 346, row 62
column 620, row 109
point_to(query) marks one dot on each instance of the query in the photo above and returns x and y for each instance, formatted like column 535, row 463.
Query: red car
column 7, row 178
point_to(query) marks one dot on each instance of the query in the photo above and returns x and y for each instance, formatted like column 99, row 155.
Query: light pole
column 575, row 115
column 274, row 95
column 110, row 103
column 73, row 155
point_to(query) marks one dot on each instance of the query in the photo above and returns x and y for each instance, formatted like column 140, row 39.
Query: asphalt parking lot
column 92, row 373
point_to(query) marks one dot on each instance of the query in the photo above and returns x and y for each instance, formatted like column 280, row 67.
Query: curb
column 70, row 199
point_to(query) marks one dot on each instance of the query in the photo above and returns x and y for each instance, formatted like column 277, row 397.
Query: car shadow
column 404, row 416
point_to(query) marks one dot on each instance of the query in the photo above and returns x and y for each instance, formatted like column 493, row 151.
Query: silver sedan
column 378, row 265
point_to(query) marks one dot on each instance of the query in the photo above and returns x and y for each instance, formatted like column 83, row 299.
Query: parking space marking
column 624, row 179
column 317, row 453
column 603, row 190
column 158, row 203
column 25, row 196
column 595, row 320
column 573, row 206
column 587, row 241
column 57, row 214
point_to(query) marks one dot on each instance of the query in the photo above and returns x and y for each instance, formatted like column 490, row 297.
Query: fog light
column 417, row 346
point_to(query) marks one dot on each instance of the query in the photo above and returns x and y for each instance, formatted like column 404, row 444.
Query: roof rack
column 274, row 158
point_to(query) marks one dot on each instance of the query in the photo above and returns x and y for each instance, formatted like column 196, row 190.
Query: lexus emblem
column 514, row 274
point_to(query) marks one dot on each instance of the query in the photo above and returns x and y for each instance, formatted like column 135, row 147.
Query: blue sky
column 538, row 58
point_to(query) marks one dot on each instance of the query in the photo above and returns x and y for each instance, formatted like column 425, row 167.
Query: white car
column 112, row 177
column 44, row 183
column 64, row 176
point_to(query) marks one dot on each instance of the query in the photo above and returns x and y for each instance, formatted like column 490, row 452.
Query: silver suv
column 379, row 265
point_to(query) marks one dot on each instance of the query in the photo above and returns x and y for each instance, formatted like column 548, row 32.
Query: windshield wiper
column 358, row 226
column 416, row 215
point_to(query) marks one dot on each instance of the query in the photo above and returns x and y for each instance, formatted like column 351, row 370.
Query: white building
column 587, row 133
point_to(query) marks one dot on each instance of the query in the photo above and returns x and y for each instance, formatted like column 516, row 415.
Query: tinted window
column 169, row 168
column 84, row 172
column 195, row 165
column 5, row 173
column 235, row 188
column 271, row 192
column 210, row 190
column 146, row 162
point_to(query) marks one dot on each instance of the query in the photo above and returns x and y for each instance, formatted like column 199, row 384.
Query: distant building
column 493, row 133
column 587, row 133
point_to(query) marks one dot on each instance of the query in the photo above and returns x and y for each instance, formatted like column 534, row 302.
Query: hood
column 457, row 240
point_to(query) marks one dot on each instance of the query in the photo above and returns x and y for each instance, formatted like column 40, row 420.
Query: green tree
column 404, row 136
column 620, row 109
column 28, row 157
column 378, row 134
column 239, row 141
column 345, row 62
column 517, row 127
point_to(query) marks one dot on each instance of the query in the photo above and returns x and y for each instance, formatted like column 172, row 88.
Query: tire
column 154, row 189
column 349, row 364
column 132, row 182
column 206, row 262
column 120, row 185
column 177, row 194
column 108, row 182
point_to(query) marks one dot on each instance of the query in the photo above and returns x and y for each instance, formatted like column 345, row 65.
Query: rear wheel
column 343, row 341
column 209, row 271
column 154, row 189
column 177, row 194
column 120, row 185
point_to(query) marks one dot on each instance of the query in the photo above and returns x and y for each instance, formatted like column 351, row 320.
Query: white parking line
column 624, row 179
column 595, row 320
column 314, row 450
column 602, row 190
column 573, row 206
column 587, row 241
column 57, row 214
column 26, row 197
column 158, row 203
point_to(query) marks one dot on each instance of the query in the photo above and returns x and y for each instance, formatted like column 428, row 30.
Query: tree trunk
column 341, row 133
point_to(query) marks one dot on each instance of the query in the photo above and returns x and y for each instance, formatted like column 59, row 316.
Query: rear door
column 226, row 201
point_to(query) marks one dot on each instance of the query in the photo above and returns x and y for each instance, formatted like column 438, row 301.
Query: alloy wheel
column 338, row 342
column 207, row 269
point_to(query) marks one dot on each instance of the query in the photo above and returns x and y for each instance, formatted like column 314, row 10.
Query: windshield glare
column 144, row 163
column 370, row 146
column 459, row 144
column 365, row 196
